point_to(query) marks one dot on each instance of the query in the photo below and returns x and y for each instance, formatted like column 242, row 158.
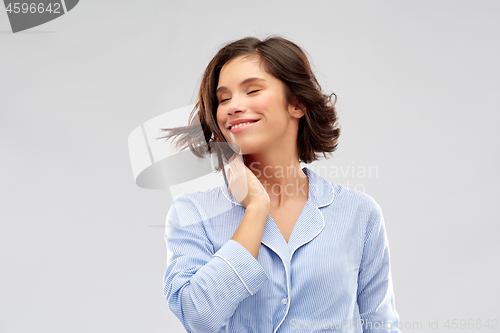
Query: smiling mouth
column 240, row 127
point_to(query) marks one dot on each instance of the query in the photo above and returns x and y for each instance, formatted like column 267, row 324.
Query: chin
column 245, row 151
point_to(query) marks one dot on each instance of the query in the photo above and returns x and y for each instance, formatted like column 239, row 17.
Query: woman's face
column 248, row 94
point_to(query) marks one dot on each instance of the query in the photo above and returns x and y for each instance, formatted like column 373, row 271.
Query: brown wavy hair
column 318, row 129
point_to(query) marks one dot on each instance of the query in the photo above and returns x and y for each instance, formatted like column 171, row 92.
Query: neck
column 281, row 176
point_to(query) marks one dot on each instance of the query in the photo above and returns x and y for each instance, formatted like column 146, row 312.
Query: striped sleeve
column 202, row 287
column 375, row 291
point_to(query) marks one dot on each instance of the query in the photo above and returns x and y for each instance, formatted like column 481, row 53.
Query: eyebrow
column 250, row 79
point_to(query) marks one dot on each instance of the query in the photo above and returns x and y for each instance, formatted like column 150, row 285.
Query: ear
column 297, row 109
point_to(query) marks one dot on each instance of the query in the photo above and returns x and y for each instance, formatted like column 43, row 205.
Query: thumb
column 229, row 180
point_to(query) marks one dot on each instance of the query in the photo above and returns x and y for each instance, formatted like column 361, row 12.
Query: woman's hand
column 250, row 193
column 244, row 185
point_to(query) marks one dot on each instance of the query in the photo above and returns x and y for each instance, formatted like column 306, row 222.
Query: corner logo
column 28, row 14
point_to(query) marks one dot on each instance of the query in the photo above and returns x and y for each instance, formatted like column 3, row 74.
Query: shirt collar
column 320, row 190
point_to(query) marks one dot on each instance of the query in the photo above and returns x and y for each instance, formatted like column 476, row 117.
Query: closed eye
column 253, row 91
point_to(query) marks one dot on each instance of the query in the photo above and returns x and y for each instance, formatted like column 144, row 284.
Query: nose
column 235, row 105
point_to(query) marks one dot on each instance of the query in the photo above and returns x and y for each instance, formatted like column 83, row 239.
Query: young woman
column 278, row 248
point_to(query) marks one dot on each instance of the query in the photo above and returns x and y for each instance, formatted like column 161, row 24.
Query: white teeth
column 240, row 125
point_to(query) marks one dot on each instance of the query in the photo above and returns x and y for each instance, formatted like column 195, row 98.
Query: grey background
column 81, row 249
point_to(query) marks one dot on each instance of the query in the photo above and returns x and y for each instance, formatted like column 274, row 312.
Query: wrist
column 259, row 206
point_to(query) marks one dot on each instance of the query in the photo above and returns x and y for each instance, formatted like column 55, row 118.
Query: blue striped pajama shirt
column 333, row 275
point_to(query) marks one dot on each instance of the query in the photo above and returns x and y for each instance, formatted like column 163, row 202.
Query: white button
column 284, row 300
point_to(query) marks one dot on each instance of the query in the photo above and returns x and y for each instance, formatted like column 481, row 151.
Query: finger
column 238, row 162
column 240, row 159
column 235, row 164
column 229, row 180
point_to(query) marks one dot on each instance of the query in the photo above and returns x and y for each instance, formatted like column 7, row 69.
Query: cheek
column 269, row 101
column 261, row 105
column 272, row 107
column 221, row 118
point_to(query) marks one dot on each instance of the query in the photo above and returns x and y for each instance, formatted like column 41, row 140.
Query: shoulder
column 350, row 197
column 364, row 210
column 201, row 205
column 198, row 198
column 357, row 206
